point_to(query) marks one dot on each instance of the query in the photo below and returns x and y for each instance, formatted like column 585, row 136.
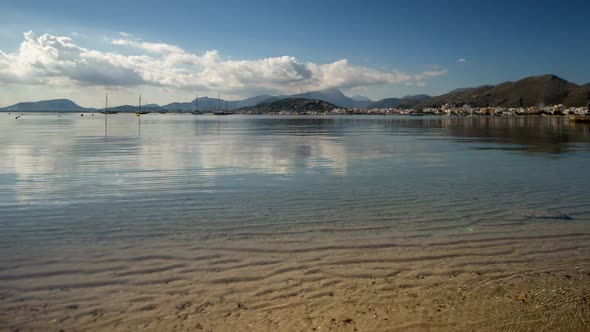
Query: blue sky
column 391, row 48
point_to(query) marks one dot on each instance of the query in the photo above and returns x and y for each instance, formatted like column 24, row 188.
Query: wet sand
column 311, row 278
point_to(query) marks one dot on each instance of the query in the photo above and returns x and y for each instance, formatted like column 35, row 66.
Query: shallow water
column 164, row 197
column 62, row 181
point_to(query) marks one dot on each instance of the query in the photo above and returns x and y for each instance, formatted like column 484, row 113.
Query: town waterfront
column 183, row 221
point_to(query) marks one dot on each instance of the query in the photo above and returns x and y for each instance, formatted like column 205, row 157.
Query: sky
column 171, row 50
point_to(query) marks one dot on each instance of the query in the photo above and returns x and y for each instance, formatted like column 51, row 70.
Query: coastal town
column 452, row 110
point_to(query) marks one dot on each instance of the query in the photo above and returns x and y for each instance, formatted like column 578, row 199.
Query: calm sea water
column 62, row 182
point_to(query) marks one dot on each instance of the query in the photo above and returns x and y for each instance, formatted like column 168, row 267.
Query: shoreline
column 304, row 114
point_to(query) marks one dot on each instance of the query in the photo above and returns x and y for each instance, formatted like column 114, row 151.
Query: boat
column 219, row 110
column 580, row 118
column 140, row 112
column 106, row 107
column 196, row 111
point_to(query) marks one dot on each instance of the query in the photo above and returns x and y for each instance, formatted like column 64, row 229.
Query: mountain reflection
column 541, row 135
column 49, row 159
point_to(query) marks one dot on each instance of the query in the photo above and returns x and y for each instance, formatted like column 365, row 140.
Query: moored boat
column 580, row 118
column 139, row 111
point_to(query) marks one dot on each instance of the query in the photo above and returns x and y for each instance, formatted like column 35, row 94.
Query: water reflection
column 544, row 135
column 54, row 158
column 164, row 174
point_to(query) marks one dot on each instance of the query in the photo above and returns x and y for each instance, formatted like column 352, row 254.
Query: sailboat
column 106, row 112
column 219, row 111
column 139, row 112
column 582, row 118
column 106, row 106
column 196, row 111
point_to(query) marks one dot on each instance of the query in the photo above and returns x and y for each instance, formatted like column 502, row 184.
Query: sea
column 99, row 204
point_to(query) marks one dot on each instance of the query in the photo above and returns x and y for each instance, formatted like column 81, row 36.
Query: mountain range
column 54, row 105
column 530, row 91
column 403, row 102
column 297, row 105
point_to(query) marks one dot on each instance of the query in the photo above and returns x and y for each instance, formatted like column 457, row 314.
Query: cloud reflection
column 59, row 160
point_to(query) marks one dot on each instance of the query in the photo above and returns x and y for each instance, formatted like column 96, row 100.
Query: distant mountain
column 459, row 90
column 415, row 97
column 386, row 103
column 133, row 109
column 360, row 98
column 124, row 108
column 333, row 96
column 251, row 101
column 297, row 105
column 404, row 102
column 205, row 103
column 54, row 105
column 213, row 104
column 530, row 91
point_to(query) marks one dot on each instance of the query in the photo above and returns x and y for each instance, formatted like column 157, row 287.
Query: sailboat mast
column 197, row 103
column 219, row 102
column 106, row 112
column 139, row 118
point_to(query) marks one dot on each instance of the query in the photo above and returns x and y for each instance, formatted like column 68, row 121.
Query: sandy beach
column 309, row 279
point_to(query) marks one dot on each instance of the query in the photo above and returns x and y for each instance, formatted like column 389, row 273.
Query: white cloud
column 419, row 79
column 58, row 61
column 51, row 60
column 150, row 47
column 341, row 74
column 429, row 74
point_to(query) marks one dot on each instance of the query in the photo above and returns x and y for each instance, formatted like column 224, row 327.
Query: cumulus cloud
column 57, row 60
column 49, row 59
column 341, row 74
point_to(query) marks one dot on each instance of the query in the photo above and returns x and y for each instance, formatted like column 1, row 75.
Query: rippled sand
column 309, row 278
